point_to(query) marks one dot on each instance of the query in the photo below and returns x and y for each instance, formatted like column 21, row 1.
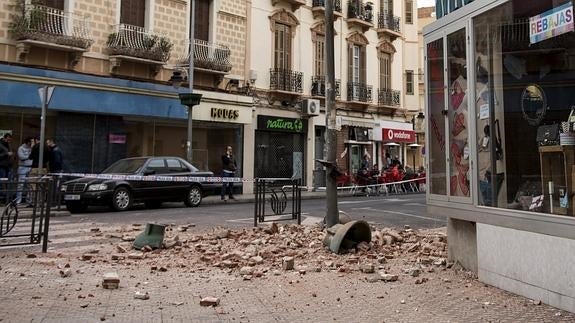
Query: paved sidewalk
column 35, row 291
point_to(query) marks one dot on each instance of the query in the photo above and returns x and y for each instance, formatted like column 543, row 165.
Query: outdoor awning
column 391, row 144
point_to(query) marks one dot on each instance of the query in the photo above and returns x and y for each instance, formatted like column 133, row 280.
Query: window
column 386, row 6
column 409, row 11
column 409, row 82
column 202, row 20
column 157, row 165
column 385, row 71
column 282, row 45
column 319, row 68
column 175, row 166
column 133, row 12
column 355, row 63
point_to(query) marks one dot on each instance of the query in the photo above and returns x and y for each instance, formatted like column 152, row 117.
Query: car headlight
column 63, row 188
column 97, row 187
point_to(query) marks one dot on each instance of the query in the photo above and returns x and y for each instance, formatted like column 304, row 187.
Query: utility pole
column 189, row 154
column 332, row 215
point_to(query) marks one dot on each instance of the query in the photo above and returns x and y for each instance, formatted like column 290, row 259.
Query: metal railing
column 136, row 41
column 278, row 198
column 208, row 56
column 318, row 86
column 47, row 24
column 358, row 92
column 321, row 3
column 388, row 97
column 285, row 80
column 357, row 9
column 388, row 21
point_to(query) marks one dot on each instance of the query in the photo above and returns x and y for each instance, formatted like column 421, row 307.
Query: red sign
column 116, row 139
column 396, row 135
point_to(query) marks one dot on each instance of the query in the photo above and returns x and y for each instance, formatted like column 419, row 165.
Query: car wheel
column 153, row 204
column 194, row 196
column 122, row 199
column 76, row 207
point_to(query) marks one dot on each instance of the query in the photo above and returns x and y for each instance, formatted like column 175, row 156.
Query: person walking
column 229, row 167
column 24, row 166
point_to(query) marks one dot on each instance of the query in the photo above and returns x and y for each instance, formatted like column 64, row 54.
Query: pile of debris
column 261, row 251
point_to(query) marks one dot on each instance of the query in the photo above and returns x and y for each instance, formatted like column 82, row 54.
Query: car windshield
column 125, row 166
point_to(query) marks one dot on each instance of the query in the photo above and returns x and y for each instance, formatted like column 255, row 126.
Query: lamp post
column 190, row 99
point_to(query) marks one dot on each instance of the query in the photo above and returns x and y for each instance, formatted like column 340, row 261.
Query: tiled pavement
column 34, row 291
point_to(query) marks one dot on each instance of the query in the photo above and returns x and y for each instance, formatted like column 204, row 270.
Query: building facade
column 375, row 69
column 500, row 141
column 258, row 64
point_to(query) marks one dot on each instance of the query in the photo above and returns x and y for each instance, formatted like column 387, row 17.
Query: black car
column 114, row 189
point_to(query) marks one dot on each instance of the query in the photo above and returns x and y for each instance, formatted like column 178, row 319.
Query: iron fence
column 208, row 56
column 25, row 211
column 138, row 42
column 388, row 21
column 388, row 97
column 359, row 92
column 279, row 198
column 285, row 80
column 318, row 87
column 357, row 9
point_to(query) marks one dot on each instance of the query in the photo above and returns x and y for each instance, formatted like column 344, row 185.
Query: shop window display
column 524, row 98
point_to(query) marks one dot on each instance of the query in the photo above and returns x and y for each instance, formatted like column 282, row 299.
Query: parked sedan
column 121, row 193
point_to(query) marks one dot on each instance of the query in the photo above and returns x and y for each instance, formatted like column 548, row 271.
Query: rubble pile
column 254, row 252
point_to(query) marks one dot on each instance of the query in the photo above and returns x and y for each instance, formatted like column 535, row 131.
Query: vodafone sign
column 396, row 135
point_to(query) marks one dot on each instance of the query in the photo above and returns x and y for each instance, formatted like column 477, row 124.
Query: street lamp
column 190, row 99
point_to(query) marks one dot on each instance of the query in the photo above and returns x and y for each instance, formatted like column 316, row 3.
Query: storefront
column 501, row 142
column 395, row 140
column 355, row 139
column 280, row 147
column 97, row 120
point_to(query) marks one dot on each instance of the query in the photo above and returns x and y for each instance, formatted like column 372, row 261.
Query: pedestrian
column 6, row 163
column 55, row 157
column 35, row 156
column 229, row 167
column 24, row 166
column 6, row 156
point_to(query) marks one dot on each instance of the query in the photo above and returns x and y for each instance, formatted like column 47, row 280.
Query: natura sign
column 282, row 124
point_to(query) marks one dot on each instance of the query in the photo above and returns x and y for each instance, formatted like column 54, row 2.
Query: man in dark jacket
column 6, row 156
column 55, row 158
column 229, row 167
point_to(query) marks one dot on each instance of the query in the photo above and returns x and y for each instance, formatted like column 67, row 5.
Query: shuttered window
column 387, row 6
column 202, row 20
column 319, row 68
column 282, row 43
column 409, row 11
column 56, row 4
column 356, row 63
column 133, row 12
column 409, row 82
column 385, row 71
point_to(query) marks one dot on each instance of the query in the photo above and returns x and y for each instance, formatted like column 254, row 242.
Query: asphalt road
column 392, row 211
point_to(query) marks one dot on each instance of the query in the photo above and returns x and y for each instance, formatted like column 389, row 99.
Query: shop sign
column 116, row 138
column 551, row 23
column 228, row 114
column 282, row 124
column 396, row 135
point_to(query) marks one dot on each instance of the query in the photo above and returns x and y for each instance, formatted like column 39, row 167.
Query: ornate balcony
column 318, row 88
column 388, row 24
column 359, row 93
column 285, row 81
column 41, row 26
column 208, row 57
column 360, row 14
column 388, row 98
column 135, row 44
column 318, row 8
column 295, row 4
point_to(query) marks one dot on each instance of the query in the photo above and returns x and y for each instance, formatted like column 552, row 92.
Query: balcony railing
column 45, row 24
column 209, row 56
column 387, row 97
column 358, row 10
column 318, row 86
column 358, row 92
column 137, row 42
column 285, row 80
column 388, row 21
column 321, row 3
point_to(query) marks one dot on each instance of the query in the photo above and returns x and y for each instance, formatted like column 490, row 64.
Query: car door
column 155, row 189
column 177, row 169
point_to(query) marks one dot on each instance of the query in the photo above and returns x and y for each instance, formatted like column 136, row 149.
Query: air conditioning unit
column 310, row 107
